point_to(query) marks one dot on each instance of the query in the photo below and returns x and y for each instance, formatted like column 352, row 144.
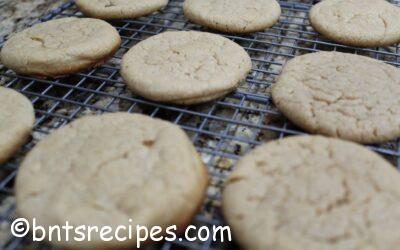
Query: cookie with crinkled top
column 60, row 47
column 185, row 67
column 313, row 192
column 105, row 170
column 118, row 9
column 233, row 16
column 341, row 95
column 365, row 23
column 16, row 122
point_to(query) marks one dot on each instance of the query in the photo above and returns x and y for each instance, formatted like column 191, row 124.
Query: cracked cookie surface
column 60, row 47
column 117, row 9
column 312, row 192
column 185, row 67
column 104, row 170
column 341, row 95
column 365, row 23
column 16, row 122
column 234, row 16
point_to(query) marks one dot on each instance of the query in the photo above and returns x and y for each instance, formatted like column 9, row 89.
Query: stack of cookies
column 307, row 192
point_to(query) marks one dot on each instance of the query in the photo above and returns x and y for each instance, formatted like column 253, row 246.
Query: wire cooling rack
column 222, row 130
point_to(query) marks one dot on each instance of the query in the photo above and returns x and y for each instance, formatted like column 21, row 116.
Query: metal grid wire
column 222, row 130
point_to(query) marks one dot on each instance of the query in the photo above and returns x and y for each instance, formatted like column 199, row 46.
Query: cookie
column 185, row 67
column 118, row 9
column 16, row 122
column 364, row 23
column 233, row 16
column 60, row 47
column 105, row 170
column 313, row 192
column 341, row 95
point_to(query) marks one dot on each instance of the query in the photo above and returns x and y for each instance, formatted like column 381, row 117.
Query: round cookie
column 60, row 47
column 17, row 118
column 313, row 193
column 233, row 16
column 104, row 170
column 341, row 95
column 185, row 67
column 118, row 9
column 364, row 23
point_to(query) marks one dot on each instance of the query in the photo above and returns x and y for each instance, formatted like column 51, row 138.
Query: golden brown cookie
column 365, row 23
column 60, row 47
column 16, row 122
column 104, row 170
column 233, row 16
column 341, row 95
column 185, row 67
column 118, row 9
column 313, row 193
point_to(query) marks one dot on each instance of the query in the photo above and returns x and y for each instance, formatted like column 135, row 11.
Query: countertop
column 15, row 15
